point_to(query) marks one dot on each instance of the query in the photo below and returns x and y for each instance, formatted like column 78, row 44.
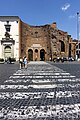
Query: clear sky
column 41, row 12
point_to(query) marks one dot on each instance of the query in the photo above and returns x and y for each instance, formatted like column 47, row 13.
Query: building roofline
column 9, row 17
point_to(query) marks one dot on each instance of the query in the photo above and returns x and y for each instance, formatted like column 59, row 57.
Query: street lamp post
column 78, row 34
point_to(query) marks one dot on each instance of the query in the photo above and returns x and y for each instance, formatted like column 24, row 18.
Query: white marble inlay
column 13, row 87
column 43, row 86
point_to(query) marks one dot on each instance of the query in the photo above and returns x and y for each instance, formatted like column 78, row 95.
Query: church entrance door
column 7, row 52
column 30, row 55
column 42, row 54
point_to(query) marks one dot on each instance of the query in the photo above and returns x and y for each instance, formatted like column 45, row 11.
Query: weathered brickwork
column 45, row 42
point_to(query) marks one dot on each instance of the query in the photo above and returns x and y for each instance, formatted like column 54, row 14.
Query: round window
column 36, row 50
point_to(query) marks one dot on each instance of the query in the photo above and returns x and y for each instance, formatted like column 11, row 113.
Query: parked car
column 70, row 59
column 60, row 59
column 63, row 59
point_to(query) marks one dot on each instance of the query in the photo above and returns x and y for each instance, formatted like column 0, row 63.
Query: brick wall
column 43, row 42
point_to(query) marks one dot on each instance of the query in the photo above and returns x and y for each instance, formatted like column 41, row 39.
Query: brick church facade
column 45, row 42
column 18, row 39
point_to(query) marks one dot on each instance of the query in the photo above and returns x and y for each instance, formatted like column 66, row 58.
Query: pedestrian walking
column 25, row 62
column 21, row 62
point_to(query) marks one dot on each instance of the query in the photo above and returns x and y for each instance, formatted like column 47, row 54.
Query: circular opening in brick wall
column 36, row 50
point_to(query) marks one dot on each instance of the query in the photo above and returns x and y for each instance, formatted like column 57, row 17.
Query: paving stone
column 40, row 92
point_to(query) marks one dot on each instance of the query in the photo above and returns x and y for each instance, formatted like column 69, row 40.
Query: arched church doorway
column 36, row 54
column 7, row 52
column 42, row 54
column 30, row 55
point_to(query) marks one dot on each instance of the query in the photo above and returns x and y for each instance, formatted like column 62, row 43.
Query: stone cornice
column 9, row 17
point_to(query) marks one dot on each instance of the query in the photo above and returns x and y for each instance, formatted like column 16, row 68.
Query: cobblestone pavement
column 40, row 92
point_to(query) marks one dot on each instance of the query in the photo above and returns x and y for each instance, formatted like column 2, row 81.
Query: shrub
column 1, row 60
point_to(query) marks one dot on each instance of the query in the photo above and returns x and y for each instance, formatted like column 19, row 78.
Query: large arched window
column 62, row 46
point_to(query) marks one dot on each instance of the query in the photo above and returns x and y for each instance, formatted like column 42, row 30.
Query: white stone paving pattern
column 40, row 92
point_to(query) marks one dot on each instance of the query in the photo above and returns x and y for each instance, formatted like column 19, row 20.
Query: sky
column 42, row 12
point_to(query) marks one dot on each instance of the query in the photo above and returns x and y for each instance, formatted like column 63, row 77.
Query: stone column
column 33, row 54
column 39, row 54
column 12, row 51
